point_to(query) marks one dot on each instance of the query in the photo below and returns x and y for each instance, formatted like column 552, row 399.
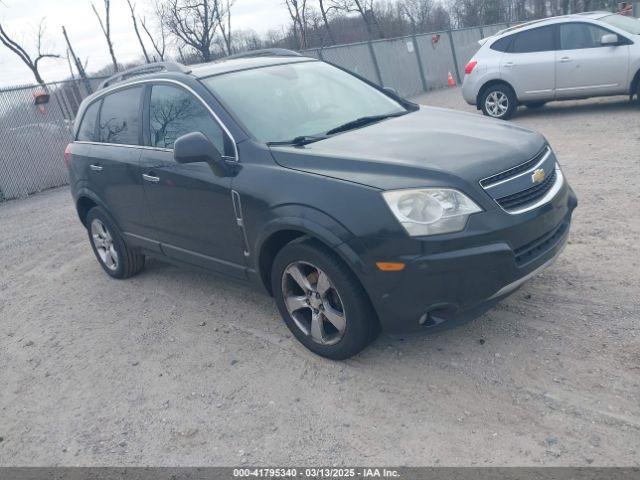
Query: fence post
column 423, row 79
column 375, row 63
column 320, row 56
column 481, row 31
column 455, row 57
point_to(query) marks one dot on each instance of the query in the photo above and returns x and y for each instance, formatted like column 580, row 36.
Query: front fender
column 314, row 224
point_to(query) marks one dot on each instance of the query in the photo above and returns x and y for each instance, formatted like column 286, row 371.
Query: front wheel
column 499, row 101
column 322, row 301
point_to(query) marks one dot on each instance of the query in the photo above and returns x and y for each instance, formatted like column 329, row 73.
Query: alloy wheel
column 314, row 303
column 103, row 242
column 497, row 104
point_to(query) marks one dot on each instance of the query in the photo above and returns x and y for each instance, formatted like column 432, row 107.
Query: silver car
column 559, row 58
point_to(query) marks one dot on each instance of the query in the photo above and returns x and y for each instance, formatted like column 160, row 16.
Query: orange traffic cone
column 450, row 81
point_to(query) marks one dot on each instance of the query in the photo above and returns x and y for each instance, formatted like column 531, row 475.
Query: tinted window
column 534, row 40
column 580, row 35
column 503, row 44
column 87, row 130
column 119, row 117
column 175, row 112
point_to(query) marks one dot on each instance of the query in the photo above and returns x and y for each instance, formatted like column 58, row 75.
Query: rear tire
column 322, row 301
column 498, row 101
column 113, row 254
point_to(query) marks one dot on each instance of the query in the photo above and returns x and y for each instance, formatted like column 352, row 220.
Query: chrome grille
column 526, row 186
column 530, row 195
column 523, row 167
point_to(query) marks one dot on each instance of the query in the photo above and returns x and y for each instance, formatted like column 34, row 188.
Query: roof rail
column 266, row 52
column 144, row 70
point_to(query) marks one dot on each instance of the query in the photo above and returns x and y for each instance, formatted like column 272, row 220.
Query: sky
column 21, row 18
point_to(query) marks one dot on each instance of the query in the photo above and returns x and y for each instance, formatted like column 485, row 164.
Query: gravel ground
column 179, row 368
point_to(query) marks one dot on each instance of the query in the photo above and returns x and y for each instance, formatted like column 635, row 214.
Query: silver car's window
column 574, row 36
column 534, row 40
column 282, row 102
column 628, row 24
column 175, row 112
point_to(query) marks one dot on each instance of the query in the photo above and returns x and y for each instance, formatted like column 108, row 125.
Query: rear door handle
column 95, row 168
column 150, row 178
column 509, row 64
column 565, row 59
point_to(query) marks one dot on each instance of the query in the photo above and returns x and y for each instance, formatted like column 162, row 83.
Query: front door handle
column 95, row 168
column 150, row 178
column 509, row 64
column 565, row 59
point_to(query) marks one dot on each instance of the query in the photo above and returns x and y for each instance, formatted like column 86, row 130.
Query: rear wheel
column 321, row 301
column 498, row 101
column 114, row 255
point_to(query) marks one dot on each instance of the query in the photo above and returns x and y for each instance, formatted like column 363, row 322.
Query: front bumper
column 454, row 278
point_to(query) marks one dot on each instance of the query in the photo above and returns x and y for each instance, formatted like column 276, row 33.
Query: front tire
column 113, row 254
column 498, row 101
column 322, row 301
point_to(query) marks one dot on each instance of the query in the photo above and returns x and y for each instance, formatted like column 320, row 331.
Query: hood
column 421, row 148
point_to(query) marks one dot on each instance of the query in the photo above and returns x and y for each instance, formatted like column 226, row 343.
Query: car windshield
column 628, row 24
column 283, row 102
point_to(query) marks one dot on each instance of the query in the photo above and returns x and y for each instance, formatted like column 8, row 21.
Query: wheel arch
column 289, row 229
column 490, row 83
column 85, row 201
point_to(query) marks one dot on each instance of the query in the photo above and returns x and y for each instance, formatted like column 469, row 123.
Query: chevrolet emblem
column 537, row 176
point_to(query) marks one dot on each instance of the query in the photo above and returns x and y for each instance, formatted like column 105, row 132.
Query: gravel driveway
column 175, row 367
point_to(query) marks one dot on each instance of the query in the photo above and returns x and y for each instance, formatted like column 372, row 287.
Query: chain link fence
column 33, row 137
column 412, row 64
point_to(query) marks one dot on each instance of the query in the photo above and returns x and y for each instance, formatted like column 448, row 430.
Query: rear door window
column 87, row 130
column 574, row 36
column 535, row 40
column 175, row 112
column 120, row 117
column 503, row 44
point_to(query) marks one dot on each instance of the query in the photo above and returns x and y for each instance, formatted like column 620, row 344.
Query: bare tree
column 159, row 43
column 223, row 17
column 324, row 11
column 81, row 68
column 135, row 28
column 298, row 13
column 106, row 29
column 32, row 63
column 366, row 9
column 194, row 23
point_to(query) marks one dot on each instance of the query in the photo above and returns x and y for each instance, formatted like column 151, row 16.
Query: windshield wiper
column 362, row 121
column 299, row 141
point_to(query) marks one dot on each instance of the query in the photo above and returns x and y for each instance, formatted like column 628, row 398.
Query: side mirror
column 195, row 147
column 392, row 91
column 610, row 39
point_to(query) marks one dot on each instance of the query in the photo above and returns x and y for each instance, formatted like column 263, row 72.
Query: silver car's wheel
column 497, row 104
column 314, row 303
column 103, row 242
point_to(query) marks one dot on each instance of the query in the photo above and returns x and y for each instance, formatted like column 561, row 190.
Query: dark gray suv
column 356, row 209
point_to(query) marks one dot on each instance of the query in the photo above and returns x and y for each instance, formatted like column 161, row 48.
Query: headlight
column 428, row 211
